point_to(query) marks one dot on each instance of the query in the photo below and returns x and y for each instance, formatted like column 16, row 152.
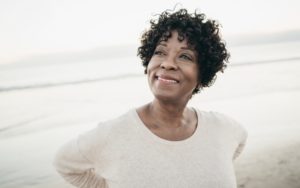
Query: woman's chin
column 169, row 97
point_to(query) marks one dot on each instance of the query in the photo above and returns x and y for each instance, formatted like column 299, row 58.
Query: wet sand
column 265, row 98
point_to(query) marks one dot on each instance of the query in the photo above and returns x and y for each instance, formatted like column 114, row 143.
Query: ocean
column 65, row 69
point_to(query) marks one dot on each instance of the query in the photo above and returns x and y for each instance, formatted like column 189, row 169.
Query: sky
column 34, row 27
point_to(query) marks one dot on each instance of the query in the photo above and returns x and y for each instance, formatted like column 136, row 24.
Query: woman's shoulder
column 105, row 131
column 217, row 117
column 118, row 122
column 223, row 121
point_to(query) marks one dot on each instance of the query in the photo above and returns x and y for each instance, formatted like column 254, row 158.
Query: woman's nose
column 169, row 63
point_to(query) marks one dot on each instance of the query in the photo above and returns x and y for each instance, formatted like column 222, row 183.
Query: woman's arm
column 76, row 160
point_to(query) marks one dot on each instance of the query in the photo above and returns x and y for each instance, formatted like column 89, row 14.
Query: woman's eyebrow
column 188, row 48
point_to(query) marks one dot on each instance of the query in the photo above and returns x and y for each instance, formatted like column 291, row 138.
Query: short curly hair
column 202, row 34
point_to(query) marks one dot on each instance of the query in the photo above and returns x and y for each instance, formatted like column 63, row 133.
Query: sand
column 265, row 98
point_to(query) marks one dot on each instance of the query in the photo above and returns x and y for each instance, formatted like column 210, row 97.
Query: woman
column 164, row 143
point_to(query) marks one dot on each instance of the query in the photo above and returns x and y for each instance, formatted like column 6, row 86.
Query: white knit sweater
column 124, row 153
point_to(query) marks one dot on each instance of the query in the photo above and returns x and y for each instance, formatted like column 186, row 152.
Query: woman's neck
column 170, row 122
column 168, row 115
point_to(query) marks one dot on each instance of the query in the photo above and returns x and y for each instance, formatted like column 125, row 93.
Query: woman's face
column 173, row 70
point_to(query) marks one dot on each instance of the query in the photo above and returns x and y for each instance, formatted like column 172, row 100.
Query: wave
column 54, row 84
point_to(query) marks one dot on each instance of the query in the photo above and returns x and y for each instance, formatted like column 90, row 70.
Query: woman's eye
column 186, row 57
column 158, row 52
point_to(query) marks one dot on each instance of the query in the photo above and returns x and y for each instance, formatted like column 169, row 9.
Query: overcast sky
column 47, row 26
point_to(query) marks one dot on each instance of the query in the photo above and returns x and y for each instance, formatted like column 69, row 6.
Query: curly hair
column 202, row 34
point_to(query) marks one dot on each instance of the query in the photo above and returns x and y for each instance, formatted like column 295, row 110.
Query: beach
column 263, row 97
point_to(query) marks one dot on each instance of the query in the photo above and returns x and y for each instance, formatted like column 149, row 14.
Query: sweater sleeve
column 76, row 160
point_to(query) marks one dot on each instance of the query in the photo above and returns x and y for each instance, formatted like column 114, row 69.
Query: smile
column 167, row 80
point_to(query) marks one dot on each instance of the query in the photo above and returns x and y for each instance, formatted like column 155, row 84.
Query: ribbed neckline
column 142, row 127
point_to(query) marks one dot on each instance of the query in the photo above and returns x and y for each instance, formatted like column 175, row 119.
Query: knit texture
column 124, row 153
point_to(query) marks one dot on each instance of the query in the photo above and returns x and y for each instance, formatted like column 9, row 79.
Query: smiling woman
column 173, row 70
column 164, row 143
column 201, row 37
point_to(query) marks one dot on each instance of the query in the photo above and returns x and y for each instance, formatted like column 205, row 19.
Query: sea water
column 62, row 71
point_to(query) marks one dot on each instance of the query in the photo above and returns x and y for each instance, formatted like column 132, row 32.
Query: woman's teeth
column 166, row 80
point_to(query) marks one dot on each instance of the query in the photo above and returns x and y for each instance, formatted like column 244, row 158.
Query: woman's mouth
column 167, row 79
